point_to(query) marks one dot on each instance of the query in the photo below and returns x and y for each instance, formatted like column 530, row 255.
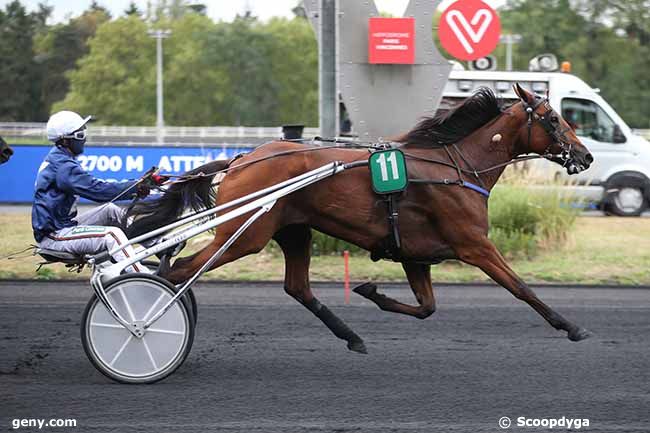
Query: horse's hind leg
column 419, row 277
column 488, row 258
column 295, row 242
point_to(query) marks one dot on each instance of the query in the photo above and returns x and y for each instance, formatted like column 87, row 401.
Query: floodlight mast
column 159, row 35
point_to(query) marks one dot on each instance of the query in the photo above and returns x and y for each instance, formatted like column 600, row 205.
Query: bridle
column 550, row 122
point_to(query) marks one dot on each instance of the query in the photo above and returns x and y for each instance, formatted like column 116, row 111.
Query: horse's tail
column 196, row 193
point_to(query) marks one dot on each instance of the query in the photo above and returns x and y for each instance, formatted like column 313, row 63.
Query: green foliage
column 45, row 273
column 19, row 73
column 323, row 245
column 515, row 243
column 294, row 66
column 524, row 220
column 116, row 80
column 240, row 73
column 60, row 47
column 132, row 9
column 194, row 79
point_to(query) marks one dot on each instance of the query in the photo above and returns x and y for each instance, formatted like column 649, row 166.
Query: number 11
column 392, row 160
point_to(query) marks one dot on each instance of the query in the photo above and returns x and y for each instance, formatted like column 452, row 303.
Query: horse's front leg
column 295, row 242
column 489, row 260
column 419, row 277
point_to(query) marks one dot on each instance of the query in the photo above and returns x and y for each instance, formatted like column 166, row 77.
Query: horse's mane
column 451, row 127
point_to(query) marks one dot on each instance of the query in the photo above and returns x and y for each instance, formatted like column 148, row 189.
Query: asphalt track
column 262, row 363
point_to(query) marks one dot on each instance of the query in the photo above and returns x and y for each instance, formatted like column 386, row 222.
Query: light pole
column 159, row 35
column 510, row 40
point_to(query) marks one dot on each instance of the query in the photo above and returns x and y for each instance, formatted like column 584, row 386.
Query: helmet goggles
column 78, row 135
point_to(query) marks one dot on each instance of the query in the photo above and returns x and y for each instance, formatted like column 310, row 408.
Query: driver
column 61, row 181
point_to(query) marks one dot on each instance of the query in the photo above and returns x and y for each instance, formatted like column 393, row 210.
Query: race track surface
column 262, row 363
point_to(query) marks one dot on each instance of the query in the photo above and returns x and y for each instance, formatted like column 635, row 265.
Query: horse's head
column 5, row 151
column 548, row 134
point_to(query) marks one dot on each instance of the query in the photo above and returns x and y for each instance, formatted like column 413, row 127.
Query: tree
column 294, row 68
column 163, row 11
column 19, row 74
column 194, row 80
column 96, row 7
column 132, row 10
column 116, row 80
column 242, row 51
column 627, row 80
column 59, row 49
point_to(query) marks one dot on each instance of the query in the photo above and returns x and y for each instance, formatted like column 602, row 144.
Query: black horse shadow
column 5, row 151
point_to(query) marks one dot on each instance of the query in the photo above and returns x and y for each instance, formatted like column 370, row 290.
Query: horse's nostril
column 588, row 158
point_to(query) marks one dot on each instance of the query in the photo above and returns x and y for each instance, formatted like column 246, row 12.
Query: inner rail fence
column 19, row 132
column 22, row 133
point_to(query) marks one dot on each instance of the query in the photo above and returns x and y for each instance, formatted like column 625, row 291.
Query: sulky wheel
column 121, row 356
column 189, row 296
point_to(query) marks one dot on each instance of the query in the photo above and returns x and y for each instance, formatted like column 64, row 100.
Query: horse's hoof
column 579, row 334
column 366, row 290
column 357, row 346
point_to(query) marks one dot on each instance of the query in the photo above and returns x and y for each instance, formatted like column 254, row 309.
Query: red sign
column 391, row 40
column 469, row 29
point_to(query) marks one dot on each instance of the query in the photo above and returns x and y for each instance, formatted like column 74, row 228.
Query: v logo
column 455, row 17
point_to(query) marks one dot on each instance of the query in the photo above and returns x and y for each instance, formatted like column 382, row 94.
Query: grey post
column 384, row 100
column 328, row 110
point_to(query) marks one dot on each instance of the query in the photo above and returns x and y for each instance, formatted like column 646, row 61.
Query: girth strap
column 393, row 221
column 390, row 246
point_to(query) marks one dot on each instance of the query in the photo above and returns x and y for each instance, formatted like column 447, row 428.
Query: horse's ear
column 524, row 94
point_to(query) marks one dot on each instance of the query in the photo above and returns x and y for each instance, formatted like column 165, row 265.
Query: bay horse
column 5, row 151
column 437, row 222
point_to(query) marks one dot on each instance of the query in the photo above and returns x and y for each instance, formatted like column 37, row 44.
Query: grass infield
column 599, row 251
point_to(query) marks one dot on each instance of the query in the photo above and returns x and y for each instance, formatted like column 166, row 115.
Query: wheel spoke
column 155, row 304
column 165, row 331
column 119, row 352
column 107, row 325
column 128, row 307
column 146, row 346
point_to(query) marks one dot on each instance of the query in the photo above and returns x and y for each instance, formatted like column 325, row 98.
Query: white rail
column 142, row 133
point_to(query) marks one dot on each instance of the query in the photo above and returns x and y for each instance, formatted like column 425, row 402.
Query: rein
column 351, row 145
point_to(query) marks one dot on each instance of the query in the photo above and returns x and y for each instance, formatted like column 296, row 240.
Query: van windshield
column 588, row 119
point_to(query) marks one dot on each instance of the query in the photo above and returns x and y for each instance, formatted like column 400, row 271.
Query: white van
column 619, row 178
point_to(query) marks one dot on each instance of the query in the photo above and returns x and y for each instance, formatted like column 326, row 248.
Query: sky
column 217, row 9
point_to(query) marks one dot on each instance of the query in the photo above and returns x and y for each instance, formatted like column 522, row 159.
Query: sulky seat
column 53, row 256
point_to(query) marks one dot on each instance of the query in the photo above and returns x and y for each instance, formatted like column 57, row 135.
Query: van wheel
column 627, row 201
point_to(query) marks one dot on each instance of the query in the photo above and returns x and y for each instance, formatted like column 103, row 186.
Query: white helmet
column 64, row 123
